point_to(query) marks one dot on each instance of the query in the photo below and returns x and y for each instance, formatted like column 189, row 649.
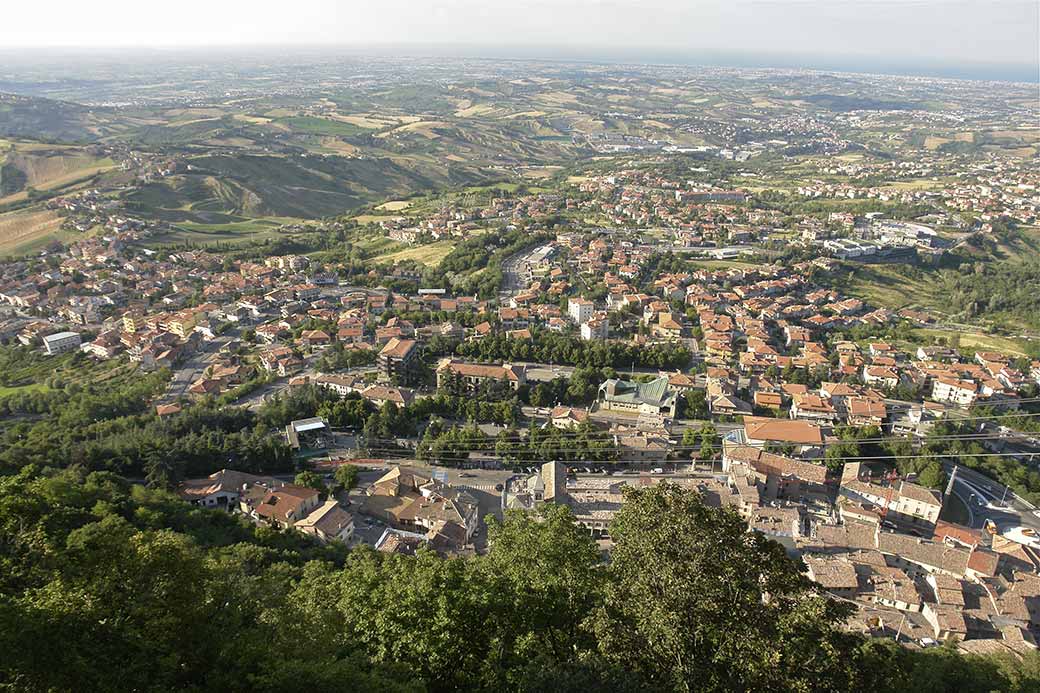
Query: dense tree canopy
column 549, row 347
column 111, row 587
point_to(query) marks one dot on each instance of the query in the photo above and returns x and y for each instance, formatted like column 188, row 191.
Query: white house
column 580, row 309
column 61, row 342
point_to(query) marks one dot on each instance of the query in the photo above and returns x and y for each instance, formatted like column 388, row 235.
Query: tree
column 695, row 404
column 162, row 470
column 549, row 570
column 932, row 475
column 689, row 442
column 110, row 586
column 709, row 437
column 347, row 477
column 311, row 480
column 696, row 602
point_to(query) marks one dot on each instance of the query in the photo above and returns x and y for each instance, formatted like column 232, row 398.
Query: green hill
column 49, row 120
column 300, row 186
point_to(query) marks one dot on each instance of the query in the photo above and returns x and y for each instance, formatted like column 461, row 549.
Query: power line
column 546, row 451
column 714, row 425
column 488, row 443
column 661, row 461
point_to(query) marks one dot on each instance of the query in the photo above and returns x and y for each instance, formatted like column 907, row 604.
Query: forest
column 108, row 425
column 995, row 292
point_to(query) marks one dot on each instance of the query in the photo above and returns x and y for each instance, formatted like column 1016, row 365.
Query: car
column 499, row 487
column 657, row 470
column 466, row 475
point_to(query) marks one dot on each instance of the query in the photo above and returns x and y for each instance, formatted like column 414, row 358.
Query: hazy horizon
column 69, row 55
column 979, row 39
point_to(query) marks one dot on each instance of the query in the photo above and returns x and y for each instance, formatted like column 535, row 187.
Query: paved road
column 544, row 372
column 987, row 499
column 512, row 280
column 190, row 370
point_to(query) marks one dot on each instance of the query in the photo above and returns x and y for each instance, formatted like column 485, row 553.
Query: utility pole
column 953, row 477
column 899, row 632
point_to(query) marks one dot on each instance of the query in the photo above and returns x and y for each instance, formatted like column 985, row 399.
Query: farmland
column 26, row 165
column 24, row 230
column 429, row 255
column 236, row 232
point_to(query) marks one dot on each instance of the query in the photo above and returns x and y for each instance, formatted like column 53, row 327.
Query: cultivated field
column 394, row 206
column 234, row 232
column 49, row 169
column 429, row 255
column 21, row 229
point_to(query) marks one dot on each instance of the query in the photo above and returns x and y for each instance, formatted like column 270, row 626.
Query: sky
column 882, row 32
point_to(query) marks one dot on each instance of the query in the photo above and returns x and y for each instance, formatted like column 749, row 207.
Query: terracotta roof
column 768, row 463
column 477, row 370
column 329, row 518
column 984, row 561
column 285, row 501
column 561, row 412
column 782, row 430
column 919, row 493
column 928, row 553
column 948, row 530
column 833, row 573
column 398, row 348
column 167, row 409
column 861, row 406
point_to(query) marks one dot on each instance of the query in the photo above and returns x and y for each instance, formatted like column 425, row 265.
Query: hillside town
column 544, row 347
column 763, row 372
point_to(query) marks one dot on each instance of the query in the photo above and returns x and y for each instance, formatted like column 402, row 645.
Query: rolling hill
column 301, row 186
column 44, row 167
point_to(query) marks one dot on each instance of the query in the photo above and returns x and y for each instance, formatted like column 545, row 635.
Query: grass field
column 378, row 245
column 320, row 126
column 724, row 264
column 20, row 389
column 368, row 121
column 422, row 127
column 918, row 184
column 881, row 285
column 1023, row 247
column 235, row 232
column 429, row 255
column 53, row 169
column 394, row 206
column 977, row 340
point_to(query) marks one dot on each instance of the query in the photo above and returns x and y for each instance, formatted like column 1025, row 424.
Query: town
column 424, row 313
column 597, row 367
